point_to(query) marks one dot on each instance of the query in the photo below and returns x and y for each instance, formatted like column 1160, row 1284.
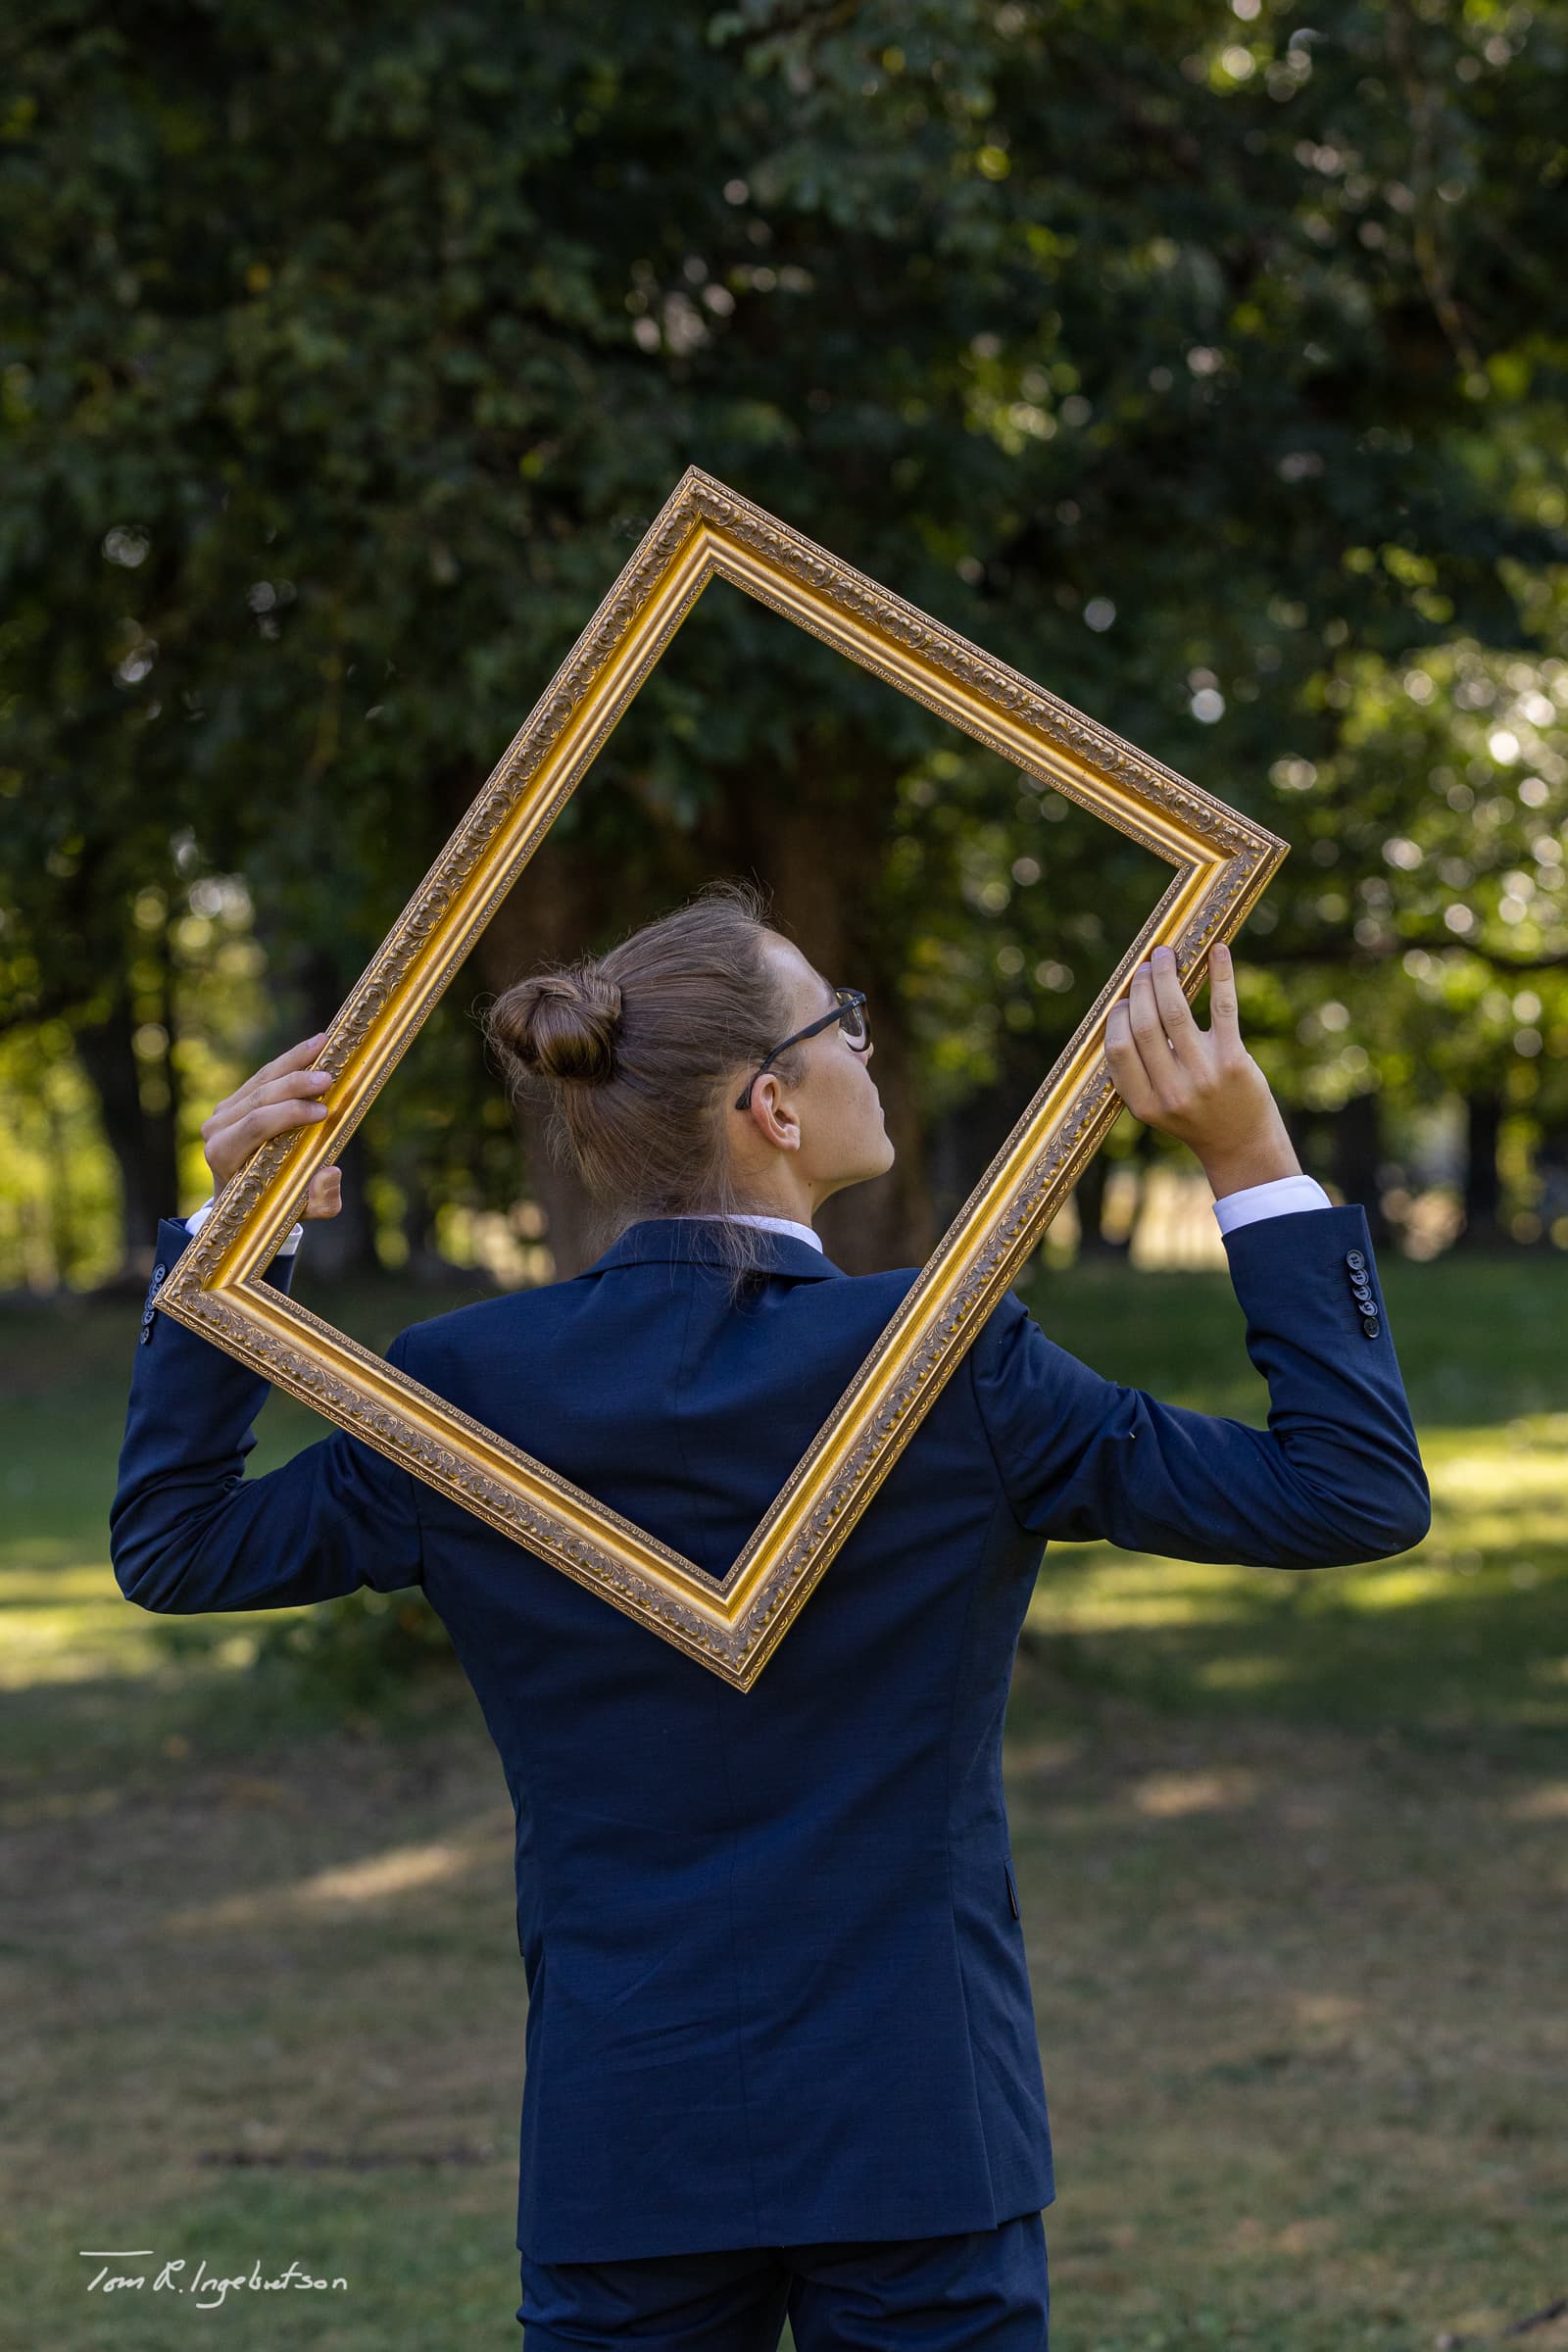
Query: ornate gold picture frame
column 1223, row 861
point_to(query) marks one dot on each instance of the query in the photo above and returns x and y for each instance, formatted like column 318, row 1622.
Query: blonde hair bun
column 563, row 1025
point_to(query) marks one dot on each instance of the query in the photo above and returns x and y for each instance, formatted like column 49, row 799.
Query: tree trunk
column 1551, row 1171
column 423, row 1262
column 1483, row 1186
column 1357, row 1159
column 142, row 1141
column 1089, row 1198
column 962, row 1145
column 819, row 857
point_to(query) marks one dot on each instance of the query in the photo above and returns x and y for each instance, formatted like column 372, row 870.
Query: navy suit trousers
column 980, row 2287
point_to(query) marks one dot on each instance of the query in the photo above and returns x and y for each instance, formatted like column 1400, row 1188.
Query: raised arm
column 188, row 1532
column 1336, row 1476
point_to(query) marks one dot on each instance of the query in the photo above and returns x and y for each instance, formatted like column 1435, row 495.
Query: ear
column 772, row 1114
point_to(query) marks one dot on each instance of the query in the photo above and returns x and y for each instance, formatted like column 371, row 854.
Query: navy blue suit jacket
column 776, row 1971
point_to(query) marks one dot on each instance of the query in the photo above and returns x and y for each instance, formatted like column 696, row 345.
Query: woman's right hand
column 282, row 1093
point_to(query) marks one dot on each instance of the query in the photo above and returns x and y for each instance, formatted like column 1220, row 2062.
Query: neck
column 786, row 1195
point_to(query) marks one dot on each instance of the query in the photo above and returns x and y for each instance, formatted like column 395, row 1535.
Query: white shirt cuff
column 1279, row 1198
column 199, row 1216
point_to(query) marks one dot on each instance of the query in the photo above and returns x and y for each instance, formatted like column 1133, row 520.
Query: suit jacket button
column 1356, row 1258
column 145, row 1334
column 1371, row 1326
column 157, row 1274
column 147, row 1313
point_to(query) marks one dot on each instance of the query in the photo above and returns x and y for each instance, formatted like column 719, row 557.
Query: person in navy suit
column 781, row 2054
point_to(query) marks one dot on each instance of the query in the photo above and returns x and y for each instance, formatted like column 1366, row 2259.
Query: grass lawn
column 1290, row 1854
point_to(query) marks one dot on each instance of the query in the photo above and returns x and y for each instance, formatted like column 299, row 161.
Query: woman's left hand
column 1198, row 1085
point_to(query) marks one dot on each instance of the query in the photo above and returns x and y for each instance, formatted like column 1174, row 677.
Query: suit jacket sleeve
column 190, row 1533
column 1335, row 1476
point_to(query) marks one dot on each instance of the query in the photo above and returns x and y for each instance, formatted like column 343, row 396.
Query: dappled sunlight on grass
column 37, row 1583
column 1394, row 1588
column 1548, row 1802
column 70, row 1624
column 1325, row 2008
column 39, row 1567
column 73, row 1624
column 1242, row 1674
column 1168, row 1795
column 1088, row 1585
column 348, row 1888
column 1470, row 1626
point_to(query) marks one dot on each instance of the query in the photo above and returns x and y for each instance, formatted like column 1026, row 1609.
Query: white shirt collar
column 802, row 1233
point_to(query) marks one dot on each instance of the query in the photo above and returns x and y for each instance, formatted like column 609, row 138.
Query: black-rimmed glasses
column 849, row 1010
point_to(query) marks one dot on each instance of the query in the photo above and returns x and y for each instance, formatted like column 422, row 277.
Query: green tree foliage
column 1204, row 362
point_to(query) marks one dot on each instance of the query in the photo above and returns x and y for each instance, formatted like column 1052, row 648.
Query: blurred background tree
column 1204, row 363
